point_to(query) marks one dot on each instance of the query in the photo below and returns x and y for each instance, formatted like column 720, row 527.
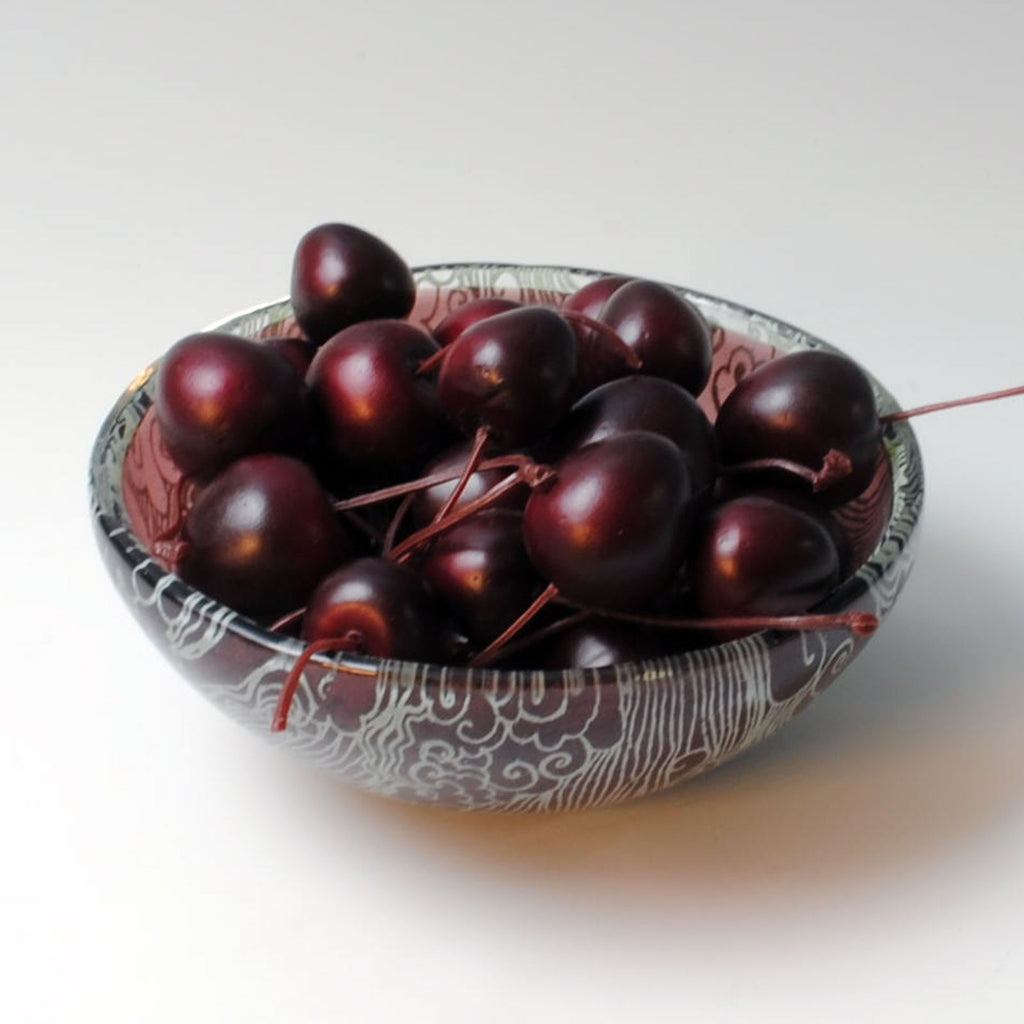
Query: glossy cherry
column 458, row 320
column 611, row 530
column 298, row 351
column 512, row 374
column 375, row 606
column 670, row 335
column 367, row 402
column 243, row 545
column 756, row 556
column 800, row 408
column 481, row 570
column 643, row 403
column 219, row 397
column 591, row 298
column 342, row 275
column 598, row 643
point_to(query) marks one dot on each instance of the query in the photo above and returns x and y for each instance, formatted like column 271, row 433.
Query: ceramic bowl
column 488, row 738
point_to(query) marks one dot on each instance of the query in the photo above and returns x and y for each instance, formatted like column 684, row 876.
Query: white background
column 853, row 168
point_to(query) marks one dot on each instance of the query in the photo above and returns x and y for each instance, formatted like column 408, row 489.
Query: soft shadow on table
column 914, row 751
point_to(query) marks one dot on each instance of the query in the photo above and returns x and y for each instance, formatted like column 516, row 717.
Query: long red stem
column 921, row 410
column 836, row 466
column 546, row 596
column 483, row 435
column 859, row 623
column 350, row 642
column 627, row 352
column 431, row 362
column 533, row 476
column 395, row 525
column 412, row 486
column 524, row 643
column 286, row 621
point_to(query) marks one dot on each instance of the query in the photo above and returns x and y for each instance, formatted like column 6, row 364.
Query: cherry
column 241, row 541
column 611, row 530
column 670, row 336
column 343, row 275
column 374, row 606
column 801, row 408
column 511, row 374
column 755, row 556
column 219, row 397
column 367, row 401
column 481, row 570
column 591, row 298
column 599, row 642
column 643, row 403
column 429, row 501
column 298, row 351
column 471, row 313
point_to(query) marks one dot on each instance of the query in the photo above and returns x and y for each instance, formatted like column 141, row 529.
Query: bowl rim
column 900, row 526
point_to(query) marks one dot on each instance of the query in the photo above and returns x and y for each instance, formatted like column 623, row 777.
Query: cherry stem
column 432, row 361
column 412, row 486
column 628, row 353
column 351, row 642
column 287, row 621
column 861, row 624
column 533, row 475
column 483, row 435
column 835, row 467
column 921, row 410
column 361, row 524
column 395, row 524
column 545, row 632
column 546, row 596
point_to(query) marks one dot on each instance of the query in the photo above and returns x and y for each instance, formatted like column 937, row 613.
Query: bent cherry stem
column 628, row 353
column 351, row 643
column 956, row 403
column 483, row 435
column 835, row 467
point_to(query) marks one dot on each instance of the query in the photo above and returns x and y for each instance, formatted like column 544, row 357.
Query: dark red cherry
column 378, row 607
column 219, row 397
column 368, row 403
column 591, row 298
column 756, row 556
column 430, row 501
column 481, row 570
column 666, row 332
column 512, row 373
column 343, row 275
column 798, row 408
column 611, row 530
column 298, row 351
column 261, row 536
column 643, row 403
column 458, row 320
column 599, row 643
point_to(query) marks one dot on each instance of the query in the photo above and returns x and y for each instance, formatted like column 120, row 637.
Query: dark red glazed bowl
column 487, row 738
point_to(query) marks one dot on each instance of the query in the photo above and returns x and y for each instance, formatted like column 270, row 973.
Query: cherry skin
column 599, row 643
column 219, row 397
column 799, row 408
column 591, row 298
column 481, row 570
column 298, row 351
column 342, row 275
column 367, row 402
column 611, row 531
column 242, row 544
column 669, row 335
column 377, row 607
column 471, row 313
column 756, row 556
column 431, row 500
column 512, row 373
column 643, row 403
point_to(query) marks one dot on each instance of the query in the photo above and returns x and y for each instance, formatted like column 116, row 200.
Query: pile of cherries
column 522, row 486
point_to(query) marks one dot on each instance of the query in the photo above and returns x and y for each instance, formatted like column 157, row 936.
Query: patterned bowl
column 487, row 738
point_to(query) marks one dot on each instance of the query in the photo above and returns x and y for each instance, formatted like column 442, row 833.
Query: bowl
column 490, row 738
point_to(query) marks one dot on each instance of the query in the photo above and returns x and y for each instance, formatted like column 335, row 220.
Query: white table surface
column 856, row 169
